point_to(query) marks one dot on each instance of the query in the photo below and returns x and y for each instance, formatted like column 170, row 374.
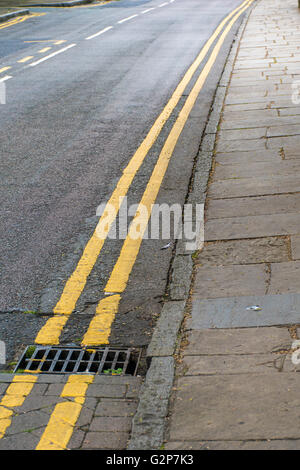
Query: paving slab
column 285, row 277
column 265, row 406
column 250, row 251
column 237, row 145
column 252, row 133
column 244, row 156
column 279, row 142
column 246, row 122
column 292, row 129
column 256, row 169
column 295, row 246
column 268, row 444
column 252, row 226
column 252, row 206
column 246, row 364
column 227, row 281
column 105, row 440
column 259, row 186
column 240, row 312
column 238, row 341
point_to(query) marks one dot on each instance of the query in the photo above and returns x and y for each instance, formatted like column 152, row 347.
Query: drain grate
column 63, row 360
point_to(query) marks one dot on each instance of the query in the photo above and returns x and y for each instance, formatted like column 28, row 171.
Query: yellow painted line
column 15, row 396
column 61, row 41
column 100, row 326
column 119, row 277
column 45, row 49
column 12, row 22
column 25, row 59
column 20, row 20
column 5, row 68
column 60, row 427
column 77, row 281
column 50, row 332
column 40, row 40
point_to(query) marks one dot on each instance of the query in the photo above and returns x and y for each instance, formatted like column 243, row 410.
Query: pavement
column 236, row 385
column 225, row 313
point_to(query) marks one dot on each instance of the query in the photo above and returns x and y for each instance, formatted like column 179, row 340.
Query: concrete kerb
column 13, row 14
column 72, row 3
column 149, row 422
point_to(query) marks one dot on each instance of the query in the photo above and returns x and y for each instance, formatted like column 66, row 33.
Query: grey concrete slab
column 106, row 391
column 263, row 406
column 233, row 312
column 256, row 169
column 278, row 142
column 268, row 444
column 253, row 206
column 285, row 277
column 258, row 186
column 246, row 122
column 227, row 281
column 242, row 364
column 237, row 341
column 110, row 407
column 295, row 246
column 242, row 156
column 252, row 226
column 110, row 424
column 23, row 441
column 238, row 252
column 105, row 440
column 238, row 134
column 236, row 145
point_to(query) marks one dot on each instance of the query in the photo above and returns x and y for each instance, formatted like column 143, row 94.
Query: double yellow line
column 20, row 19
column 99, row 329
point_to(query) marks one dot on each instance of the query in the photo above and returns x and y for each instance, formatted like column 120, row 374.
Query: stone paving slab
column 246, row 134
column 227, row 281
column 239, row 252
column 253, row 206
column 256, row 169
column 228, row 365
column 295, row 246
column 268, row 444
column 237, row 145
column 254, row 186
column 252, row 226
column 239, row 341
column 247, row 122
column 263, row 406
column 244, row 156
column 233, row 312
column 285, row 277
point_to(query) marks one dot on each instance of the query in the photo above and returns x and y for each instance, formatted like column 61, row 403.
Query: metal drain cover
column 72, row 360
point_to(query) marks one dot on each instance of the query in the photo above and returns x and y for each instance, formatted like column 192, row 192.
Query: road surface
column 88, row 90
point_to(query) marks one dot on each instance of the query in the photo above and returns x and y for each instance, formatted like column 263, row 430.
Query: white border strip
column 33, row 64
column 127, row 19
column 100, row 32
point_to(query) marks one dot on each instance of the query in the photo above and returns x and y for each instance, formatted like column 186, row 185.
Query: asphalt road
column 70, row 125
